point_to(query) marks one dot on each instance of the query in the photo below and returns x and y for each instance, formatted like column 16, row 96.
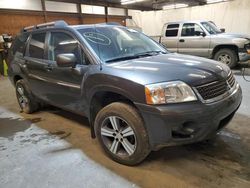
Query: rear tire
column 25, row 98
column 227, row 56
column 121, row 133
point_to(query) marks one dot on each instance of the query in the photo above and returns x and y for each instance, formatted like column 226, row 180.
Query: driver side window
column 191, row 29
column 61, row 43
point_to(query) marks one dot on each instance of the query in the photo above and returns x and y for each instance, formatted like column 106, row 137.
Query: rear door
column 170, row 37
column 192, row 42
column 36, row 63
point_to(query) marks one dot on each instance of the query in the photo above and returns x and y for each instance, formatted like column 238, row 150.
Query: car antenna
column 98, row 49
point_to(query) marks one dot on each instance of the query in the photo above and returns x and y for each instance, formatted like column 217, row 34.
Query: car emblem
column 228, row 86
column 224, row 74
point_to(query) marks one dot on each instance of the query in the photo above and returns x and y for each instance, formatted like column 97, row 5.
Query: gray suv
column 202, row 38
column 137, row 96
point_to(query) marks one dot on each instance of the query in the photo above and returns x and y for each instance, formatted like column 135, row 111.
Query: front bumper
column 184, row 123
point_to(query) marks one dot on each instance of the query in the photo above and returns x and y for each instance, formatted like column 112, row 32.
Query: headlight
column 169, row 92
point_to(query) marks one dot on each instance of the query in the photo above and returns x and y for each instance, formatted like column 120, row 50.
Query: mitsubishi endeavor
column 137, row 96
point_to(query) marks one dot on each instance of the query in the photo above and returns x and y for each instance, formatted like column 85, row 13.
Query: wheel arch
column 100, row 99
column 226, row 46
column 16, row 78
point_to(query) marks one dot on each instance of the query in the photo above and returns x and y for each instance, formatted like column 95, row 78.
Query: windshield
column 119, row 43
column 211, row 28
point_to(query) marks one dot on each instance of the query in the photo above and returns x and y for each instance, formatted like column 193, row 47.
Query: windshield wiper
column 121, row 58
column 143, row 54
column 150, row 53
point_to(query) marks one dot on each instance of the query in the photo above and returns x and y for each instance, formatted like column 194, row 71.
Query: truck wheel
column 226, row 56
column 120, row 131
column 25, row 98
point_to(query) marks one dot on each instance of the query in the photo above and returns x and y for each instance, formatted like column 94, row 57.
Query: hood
column 170, row 67
column 234, row 35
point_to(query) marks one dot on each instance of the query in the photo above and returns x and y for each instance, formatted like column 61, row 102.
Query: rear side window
column 19, row 44
column 36, row 45
column 172, row 30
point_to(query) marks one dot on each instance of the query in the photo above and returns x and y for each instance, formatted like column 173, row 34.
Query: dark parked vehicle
column 137, row 96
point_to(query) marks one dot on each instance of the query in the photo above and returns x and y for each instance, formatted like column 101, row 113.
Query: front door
column 192, row 42
column 65, row 82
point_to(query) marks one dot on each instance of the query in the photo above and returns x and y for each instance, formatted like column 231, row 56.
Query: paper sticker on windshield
column 97, row 38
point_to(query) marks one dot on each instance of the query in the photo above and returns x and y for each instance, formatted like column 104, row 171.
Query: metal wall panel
column 116, row 11
column 21, row 4
column 90, row 9
column 60, row 7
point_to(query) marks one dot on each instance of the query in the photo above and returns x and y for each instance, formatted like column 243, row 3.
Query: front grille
column 231, row 80
column 217, row 88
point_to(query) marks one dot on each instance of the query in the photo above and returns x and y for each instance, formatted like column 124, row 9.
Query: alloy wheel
column 22, row 99
column 118, row 136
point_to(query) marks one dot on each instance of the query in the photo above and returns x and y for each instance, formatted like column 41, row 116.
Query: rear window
column 36, row 45
column 19, row 44
column 172, row 30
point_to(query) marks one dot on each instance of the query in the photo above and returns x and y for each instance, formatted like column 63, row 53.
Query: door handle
column 181, row 40
column 24, row 65
column 48, row 68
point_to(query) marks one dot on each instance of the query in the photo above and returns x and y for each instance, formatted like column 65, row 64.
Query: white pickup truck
column 203, row 38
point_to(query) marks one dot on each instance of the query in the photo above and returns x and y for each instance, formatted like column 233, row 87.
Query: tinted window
column 19, row 44
column 191, row 29
column 36, row 46
column 61, row 43
column 172, row 30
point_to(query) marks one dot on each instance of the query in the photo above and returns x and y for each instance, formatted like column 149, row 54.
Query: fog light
column 187, row 130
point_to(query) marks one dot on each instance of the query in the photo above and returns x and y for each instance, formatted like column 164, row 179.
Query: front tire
column 226, row 56
column 26, row 100
column 120, row 131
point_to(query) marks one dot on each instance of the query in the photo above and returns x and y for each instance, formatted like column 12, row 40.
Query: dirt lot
column 224, row 162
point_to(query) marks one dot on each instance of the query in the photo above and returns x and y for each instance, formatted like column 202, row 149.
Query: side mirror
column 203, row 34
column 66, row 60
column 223, row 30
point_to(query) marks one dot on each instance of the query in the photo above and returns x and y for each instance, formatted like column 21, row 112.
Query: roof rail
column 45, row 25
column 110, row 23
